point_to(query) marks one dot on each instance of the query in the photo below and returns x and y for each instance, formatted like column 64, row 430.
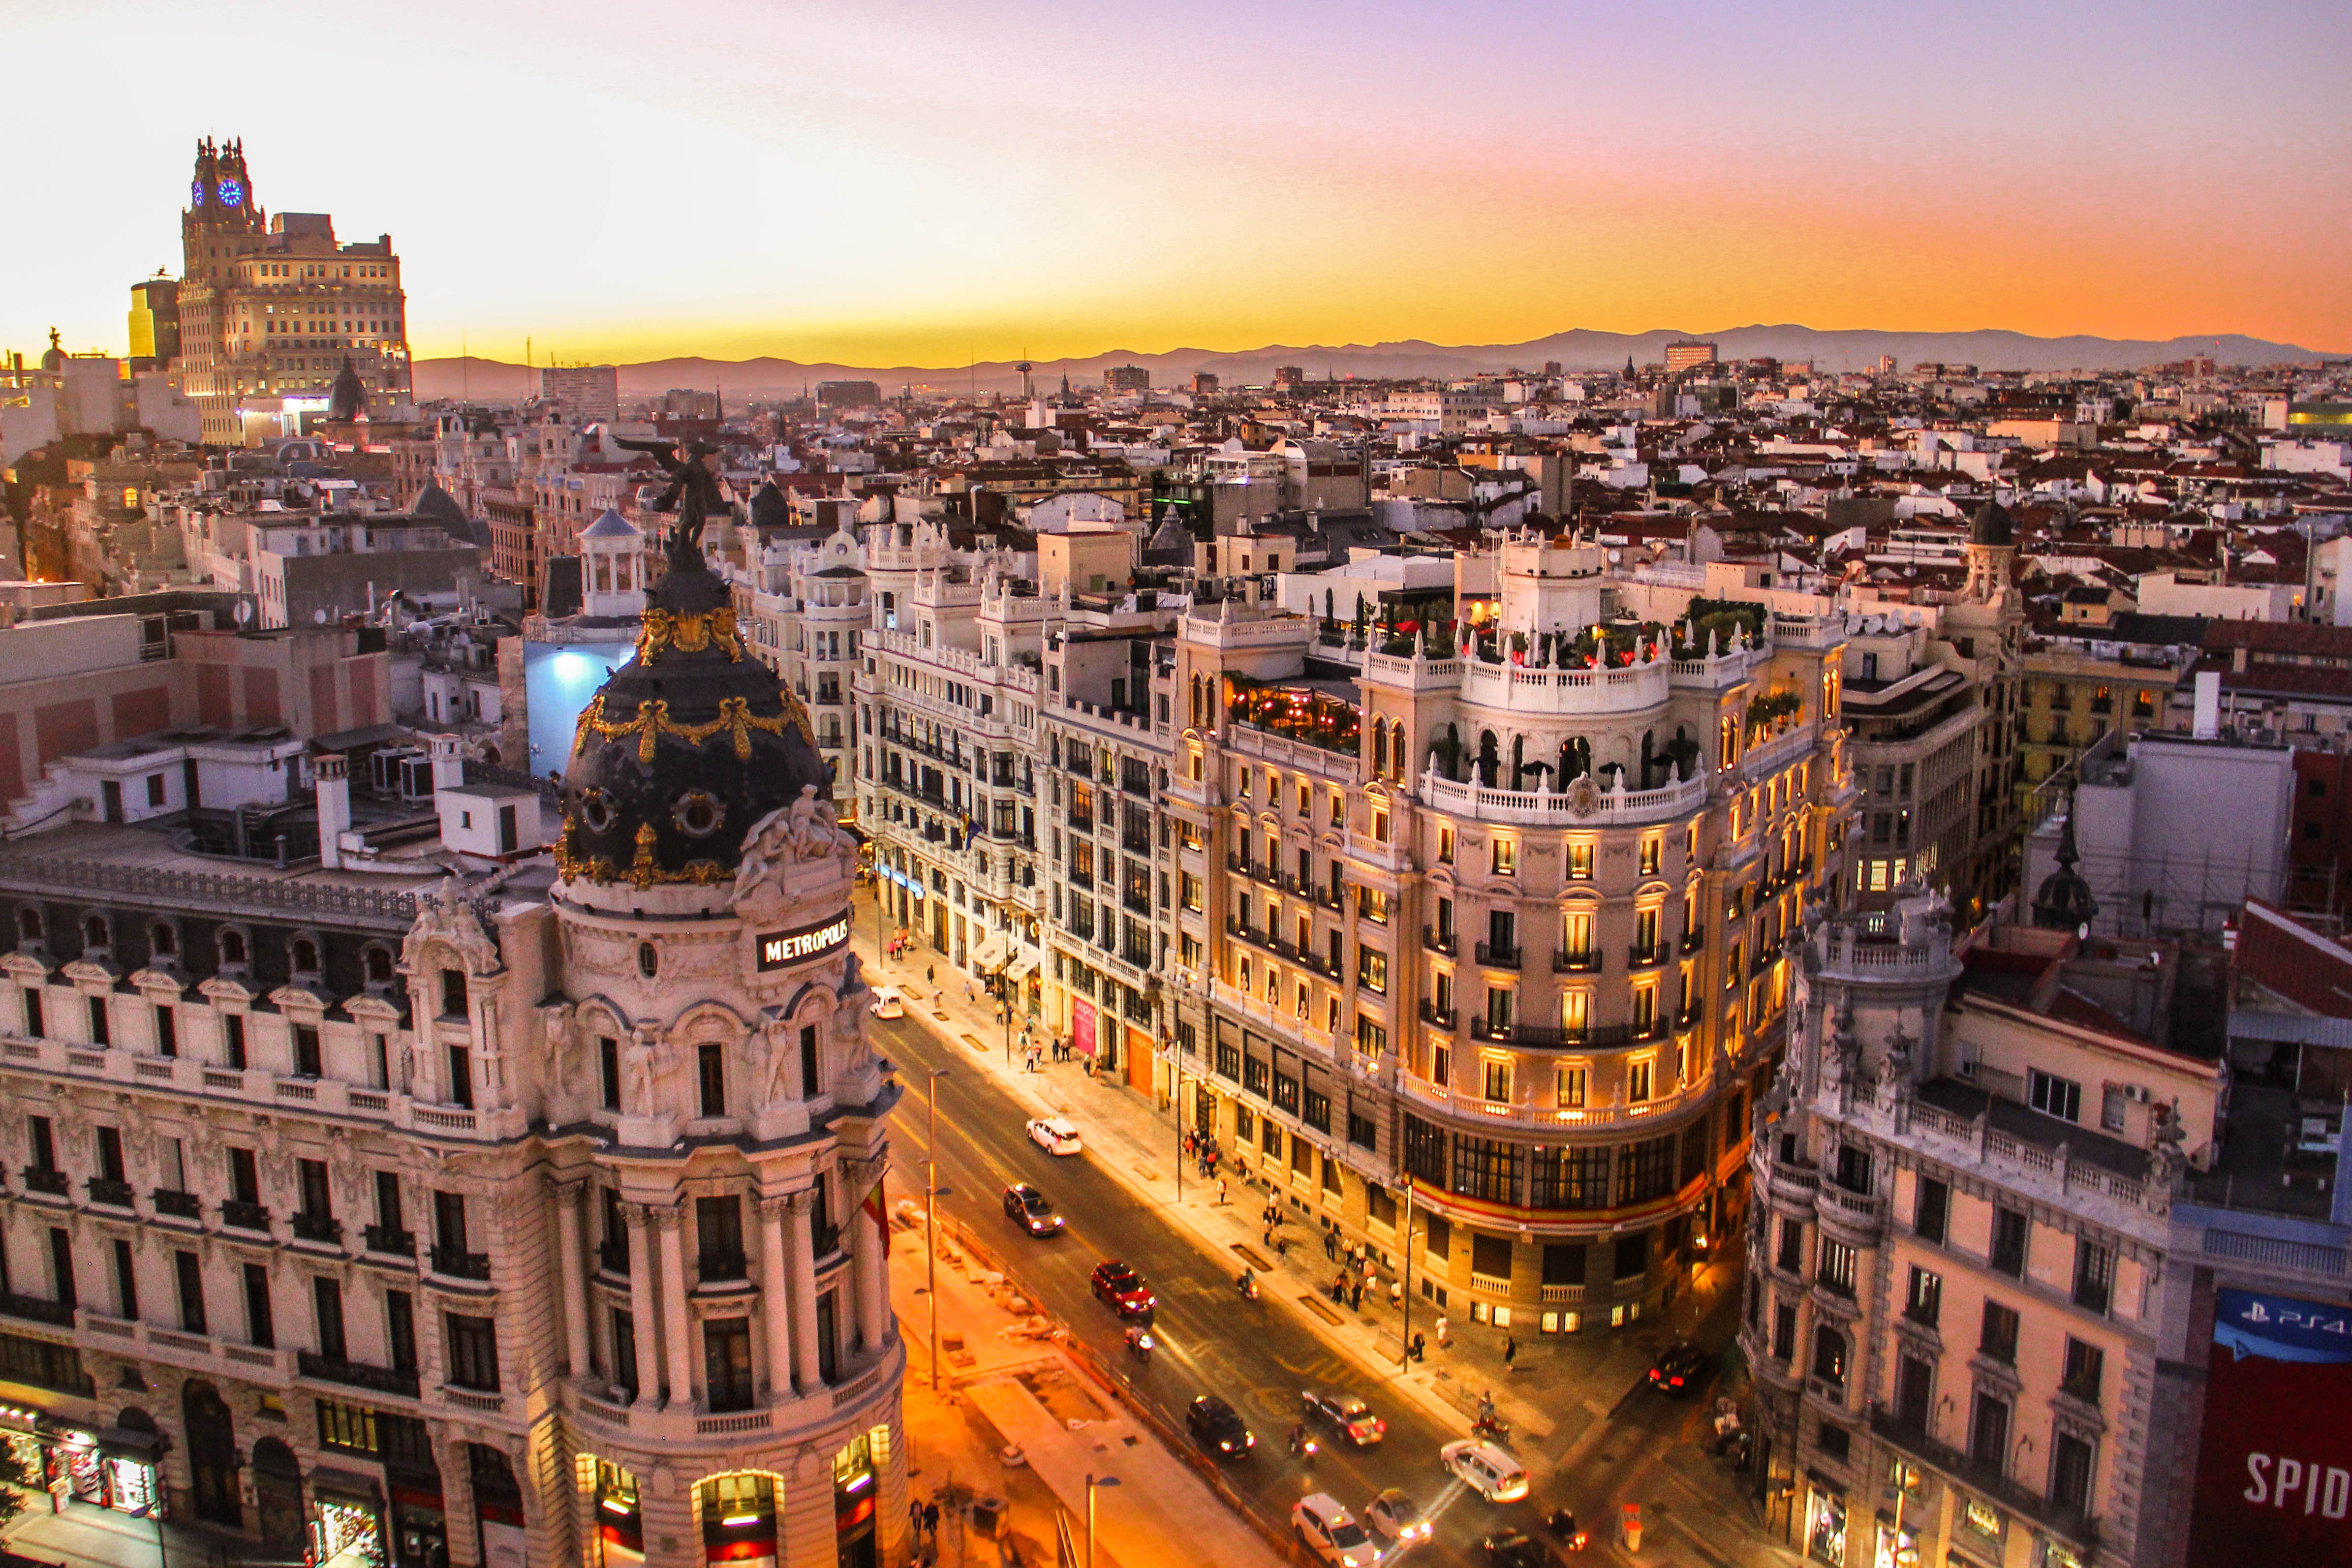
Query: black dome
column 2064, row 901
column 347, row 399
column 687, row 747
column 1990, row 526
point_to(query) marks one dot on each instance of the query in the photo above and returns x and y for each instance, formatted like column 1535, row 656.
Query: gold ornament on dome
column 653, row 721
column 643, row 871
column 690, row 634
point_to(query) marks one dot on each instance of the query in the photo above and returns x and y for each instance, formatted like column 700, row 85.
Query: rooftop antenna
column 1028, row 394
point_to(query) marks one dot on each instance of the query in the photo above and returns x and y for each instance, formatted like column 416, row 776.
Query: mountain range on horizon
column 1579, row 348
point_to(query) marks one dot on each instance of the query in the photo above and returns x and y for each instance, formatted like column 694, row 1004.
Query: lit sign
column 781, row 948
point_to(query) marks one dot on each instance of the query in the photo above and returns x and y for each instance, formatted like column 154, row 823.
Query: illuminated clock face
column 196, row 194
column 232, row 194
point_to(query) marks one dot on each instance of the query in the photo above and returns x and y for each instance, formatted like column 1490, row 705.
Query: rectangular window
column 307, row 1062
column 1503, row 860
column 711, row 1067
column 1563, row 1263
column 719, row 1236
column 1574, row 1177
column 1497, row 1074
column 1646, row 1170
column 1425, row 1151
column 99, row 1034
column 126, row 1282
column 727, row 1363
column 1784, row 1332
column 461, row 1076
column 1837, row 1267
column 2059, row 1097
column 1915, row 1390
column 109, row 1153
column 1998, row 1338
column 608, row 1065
column 625, row 1353
column 1361, row 1131
column 2086, row 1369
column 453, row 993
column 1933, row 1211
column 2094, row 1272
column 189, row 1273
column 1372, row 970
column 260, row 1323
column 1924, row 1301
column 2009, row 1232
column 167, row 1031
column 1989, row 1433
column 400, row 1329
column 449, row 1221
column 811, row 1079
column 233, row 1039
column 1580, row 861
column 1485, row 1168
column 473, row 1347
column 1791, row 1256
column 2071, row 1463
column 1317, row 1111
column 1638, row 1074
column 1572, row 1087
column 317, row 1198
column 327, row 1303
column 244, row 1176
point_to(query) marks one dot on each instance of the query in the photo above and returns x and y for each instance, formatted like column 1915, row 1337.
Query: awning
column 989, row 954
column 1021, row 967
column 348, row 1483
column 130, row 1443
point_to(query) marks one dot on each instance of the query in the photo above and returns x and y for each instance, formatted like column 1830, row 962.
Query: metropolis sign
column 778, row 948
column 2274, row 1476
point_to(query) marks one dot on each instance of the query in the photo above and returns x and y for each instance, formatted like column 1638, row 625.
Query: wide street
column 1259, row 1355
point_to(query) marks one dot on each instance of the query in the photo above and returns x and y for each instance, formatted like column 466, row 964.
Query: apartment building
column 1964, row 1175
column 524, row 1218
column 804, row 609
column 949, row 750
column 2076, row 688
column 1480, row 944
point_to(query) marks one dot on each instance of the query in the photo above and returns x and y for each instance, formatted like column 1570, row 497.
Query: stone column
column 677, row 1328
column 644, row 1328
column 803, row 1289
column 576, row 1300
column 869, row 1253
column 776, row 1302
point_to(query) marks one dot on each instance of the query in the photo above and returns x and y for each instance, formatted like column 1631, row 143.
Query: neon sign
column 781, row 948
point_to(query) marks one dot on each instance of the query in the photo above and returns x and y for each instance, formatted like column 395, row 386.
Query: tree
column 20, row 1477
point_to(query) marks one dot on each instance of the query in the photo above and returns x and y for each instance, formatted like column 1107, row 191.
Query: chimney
column 2208, row 705
column 448, row 765
column 333, row 771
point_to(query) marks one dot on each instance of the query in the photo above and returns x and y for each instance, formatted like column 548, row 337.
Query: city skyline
column 942, row 188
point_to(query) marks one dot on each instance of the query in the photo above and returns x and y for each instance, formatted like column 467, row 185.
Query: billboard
column 2275, row 1468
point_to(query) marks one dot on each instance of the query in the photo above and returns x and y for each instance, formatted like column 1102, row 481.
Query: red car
column 1123, row 1289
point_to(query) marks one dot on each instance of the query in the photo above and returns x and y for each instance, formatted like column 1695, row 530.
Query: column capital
column 637, row 1216
column 801, row 1202
column 569, row 1189
column 665, row 1217
column 774, row 1208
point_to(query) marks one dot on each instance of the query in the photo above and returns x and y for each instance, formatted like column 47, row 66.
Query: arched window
column 233, row 948
column 305, row 955
column 377, row 962
column 28, row 924
column 648, row 960
column 95, row 932
column 1379, row 748
column 1829, row 1355
column 164, row 939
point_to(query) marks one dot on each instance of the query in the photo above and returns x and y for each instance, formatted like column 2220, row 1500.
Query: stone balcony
column 684, row 1425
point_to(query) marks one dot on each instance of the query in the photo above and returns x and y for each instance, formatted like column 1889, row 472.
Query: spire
column 2064, row 901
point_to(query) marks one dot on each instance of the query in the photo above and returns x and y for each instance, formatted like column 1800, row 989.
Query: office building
column 586, row 393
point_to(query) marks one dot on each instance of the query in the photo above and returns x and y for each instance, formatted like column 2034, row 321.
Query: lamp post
column 931, row 1214
column 1404, row 1334
column 1177, row 1067
column 1094, row 1483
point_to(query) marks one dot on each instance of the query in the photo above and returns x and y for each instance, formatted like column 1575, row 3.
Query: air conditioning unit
column 2135, row 1093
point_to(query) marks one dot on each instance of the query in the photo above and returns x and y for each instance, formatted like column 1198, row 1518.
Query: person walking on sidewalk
column 1441, row 1325
column 1331, row 1246
column 930, row 974
column 1356, row 1297
column 1221, row 1182
column 1511, row 1352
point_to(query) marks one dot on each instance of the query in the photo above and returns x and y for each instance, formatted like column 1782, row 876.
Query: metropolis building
column 533, row 1218
column 1482, row 933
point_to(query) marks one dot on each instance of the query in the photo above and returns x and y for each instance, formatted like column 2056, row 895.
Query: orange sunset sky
column 912, row 182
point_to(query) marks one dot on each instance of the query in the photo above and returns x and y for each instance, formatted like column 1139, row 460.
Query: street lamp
column 931, row 1214
column 1404, row 1334
column 1093, row 1482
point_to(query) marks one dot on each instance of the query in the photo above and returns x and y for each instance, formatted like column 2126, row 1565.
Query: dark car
column 1679, row 1370
column 1513, row 1549
column 1030, row 1210
column 1344, row 1414
column 1217, row 1427
column 1122, row 1289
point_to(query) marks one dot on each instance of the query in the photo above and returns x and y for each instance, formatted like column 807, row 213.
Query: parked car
column 1346, row 1414
column 1054, row 1134
column 1396, row 1518
column 1328, row 1529
column 1217, row 1427
column 1485, row 1469
column 1030, row 1210
column 1513, row 1549
column 887, row 1003
column 1680, row 1370
column 1122, row 1289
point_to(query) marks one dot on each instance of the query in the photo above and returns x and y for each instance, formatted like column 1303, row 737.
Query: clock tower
column 221, row 222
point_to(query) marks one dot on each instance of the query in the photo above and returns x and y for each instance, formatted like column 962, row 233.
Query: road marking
column 974, row 1041
column 1316, row 1305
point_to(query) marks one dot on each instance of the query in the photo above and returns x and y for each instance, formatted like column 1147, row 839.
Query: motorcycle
column 1563, row 1525
column 1489, row 1424
column 1302, row 1444
column 1139, row 1344
column 1248, row 1285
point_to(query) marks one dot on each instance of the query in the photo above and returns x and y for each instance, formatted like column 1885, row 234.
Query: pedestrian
column 931, row 1520
column 1420, row 1348
column 1221, row 1182
column 1269, row 1236
column 915, row 1519
column 1356, row 1298
column 1331, row 1246
column 930, row 974
column 1339, row 1286
column 1396, row 1294
column 1443, row 1325
column 1511, row 1352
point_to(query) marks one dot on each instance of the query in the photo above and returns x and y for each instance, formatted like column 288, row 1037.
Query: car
column 1680, row 1370
column 1122, row 1289
column 1328, row 1529
column 887, row 1003
column 1217, row 1427
column 1054, row 1134
column 1485, row 1469
column 1346, row 1414
column 1396, row 1518
column 1030, row 1210
column 1511, row 1549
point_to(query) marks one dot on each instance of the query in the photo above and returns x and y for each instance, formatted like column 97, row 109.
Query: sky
column 907, row 181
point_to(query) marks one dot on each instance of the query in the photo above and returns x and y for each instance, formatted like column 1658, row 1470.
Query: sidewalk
column 999, row 1389
column 1559, row 1387
column 88, row 1536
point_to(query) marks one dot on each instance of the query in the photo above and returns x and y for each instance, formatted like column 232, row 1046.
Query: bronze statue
column 693, row 492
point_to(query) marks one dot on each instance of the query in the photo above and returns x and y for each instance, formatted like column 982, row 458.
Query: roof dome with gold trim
column 688, row 744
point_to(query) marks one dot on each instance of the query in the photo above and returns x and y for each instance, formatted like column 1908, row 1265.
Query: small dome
column 769, row 508
column 1990, row 526
column 347, row 399
column 2064, row 901
column 612, row 526
column 686, row 747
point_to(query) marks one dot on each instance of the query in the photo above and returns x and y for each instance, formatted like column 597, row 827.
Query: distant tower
column 1991, row 550
column 1028, row 394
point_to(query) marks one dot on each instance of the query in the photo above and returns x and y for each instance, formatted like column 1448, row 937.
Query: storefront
column 113, row 1468
column 738, row 1519
column 349, row 1521
column 1825, row 1523
column 856, row 1485
column 620, row 1525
